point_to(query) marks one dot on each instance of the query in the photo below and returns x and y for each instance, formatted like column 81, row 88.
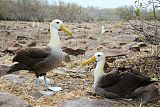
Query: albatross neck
column 54, row 39
column 99, row 71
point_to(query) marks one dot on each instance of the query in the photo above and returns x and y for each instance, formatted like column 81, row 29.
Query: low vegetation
column 43, row 10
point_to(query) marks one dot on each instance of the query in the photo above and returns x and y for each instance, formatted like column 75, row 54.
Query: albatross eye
column 99, row 55
column 57, row 22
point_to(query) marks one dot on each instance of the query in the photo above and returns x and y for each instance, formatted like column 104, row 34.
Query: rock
column 142, row 44
column 36, row 95
column 74, row 52
column 22, row 38
column 135, row 48
column 86, row 27
column 22, row 42
column 92, row 38
column 115, row 52
column 138, row 39
column 82, row 70
column 16, row 78
column 115, row 47
column 129, row 45
column 32, row 44
column 67, row 38
column 9, row 100
column 13, row 48
column 86, row 102
column 145, row 51
column 122, row 44
column 60, row 70
column 125, row 37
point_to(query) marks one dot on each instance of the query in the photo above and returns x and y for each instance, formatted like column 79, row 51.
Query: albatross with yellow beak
column 40, row 60
column 117, row 83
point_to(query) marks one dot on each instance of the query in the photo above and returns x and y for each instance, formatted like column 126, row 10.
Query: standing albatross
column 40, row 60
column 119, row 83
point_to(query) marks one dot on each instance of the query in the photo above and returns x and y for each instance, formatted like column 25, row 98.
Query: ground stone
column 16, row 78
column 86, row 102
column 9, row 100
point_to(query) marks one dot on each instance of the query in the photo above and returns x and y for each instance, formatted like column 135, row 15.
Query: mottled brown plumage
column 118, row 83
column 37, row 60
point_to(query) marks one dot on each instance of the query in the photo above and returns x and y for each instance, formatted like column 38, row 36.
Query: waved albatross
column 40, row 60
column 117, row 83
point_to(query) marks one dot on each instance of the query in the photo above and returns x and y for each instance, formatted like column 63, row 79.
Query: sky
column 100, row 3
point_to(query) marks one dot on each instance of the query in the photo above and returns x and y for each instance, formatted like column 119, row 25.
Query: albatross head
column 98, row 56
column 58, row 25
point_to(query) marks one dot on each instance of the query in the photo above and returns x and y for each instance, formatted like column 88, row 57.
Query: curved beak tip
column 63, row 28
column 92, row 59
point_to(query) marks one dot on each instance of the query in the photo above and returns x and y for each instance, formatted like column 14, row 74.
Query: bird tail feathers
column 17, row 67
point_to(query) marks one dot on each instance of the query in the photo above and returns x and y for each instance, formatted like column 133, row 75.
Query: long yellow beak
column 90, row 60
column 63, row 28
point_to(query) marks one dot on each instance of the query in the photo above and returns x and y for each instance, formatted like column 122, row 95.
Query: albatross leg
column 37, row 81
column 56, row 89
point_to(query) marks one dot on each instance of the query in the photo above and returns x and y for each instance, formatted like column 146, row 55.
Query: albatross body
column 119, row 83
column 40, row 60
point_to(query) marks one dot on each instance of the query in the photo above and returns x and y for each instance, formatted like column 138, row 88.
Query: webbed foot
column 55, row 89
column 47, row 92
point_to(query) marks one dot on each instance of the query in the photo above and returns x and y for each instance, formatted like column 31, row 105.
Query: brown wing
column 121, row 83
column 108, row 79
column 30, row 56
column 133, row 81
column 127, row 82
column 37, row 52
